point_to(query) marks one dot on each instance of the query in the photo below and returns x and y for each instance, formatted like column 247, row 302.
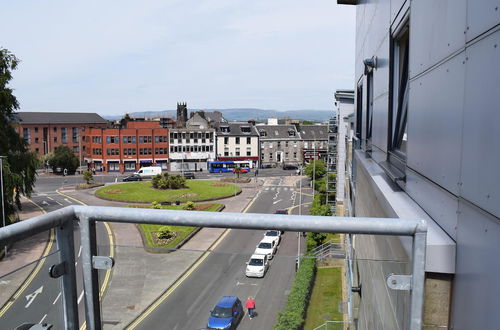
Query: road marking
column 59, row 203
column 57, row 298
column 67, row 201
column 276, row 202
column 50, row 198
column 76, row 263
column 80, row 251
column 45, row 203
column 31, row 297
column 241, row 283
column 43, row 318
column 35, row 272
column 80, row 297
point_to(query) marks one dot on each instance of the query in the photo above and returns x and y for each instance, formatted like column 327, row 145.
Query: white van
column 150, row 171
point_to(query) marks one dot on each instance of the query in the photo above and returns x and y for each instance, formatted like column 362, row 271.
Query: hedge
column 292, row 317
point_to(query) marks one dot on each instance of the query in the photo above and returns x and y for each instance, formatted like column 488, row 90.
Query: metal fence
column 63, row 221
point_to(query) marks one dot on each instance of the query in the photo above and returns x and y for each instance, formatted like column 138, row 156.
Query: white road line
column 43, row 318
column 81, row 297
column 57, row 298
column 58, row 202
column 76, row 263
column 80, row 251
column 50, row 198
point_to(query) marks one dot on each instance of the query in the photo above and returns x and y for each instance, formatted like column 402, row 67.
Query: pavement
column 139, row 277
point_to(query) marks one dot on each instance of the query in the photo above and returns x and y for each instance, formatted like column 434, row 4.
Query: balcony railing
column 63, row 220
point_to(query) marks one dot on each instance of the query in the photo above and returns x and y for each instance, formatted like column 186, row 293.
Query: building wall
column 451, row 157
column 231, row 145
column 191, row 150
column 290, row 151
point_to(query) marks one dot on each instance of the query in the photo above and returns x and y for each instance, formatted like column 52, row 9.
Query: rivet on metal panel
column 399, row 282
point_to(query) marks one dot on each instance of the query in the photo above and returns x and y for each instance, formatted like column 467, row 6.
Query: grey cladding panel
column 476, row 288
column 481, row 16
column 481, row 150
column 435, row 123
column 381, row 74
column 380, row 121
column 436, row 31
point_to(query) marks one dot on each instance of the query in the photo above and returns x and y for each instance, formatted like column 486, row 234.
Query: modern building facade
column 237, row 141
column 45, row 131
column 279, row 145
column 426, row 100
column 191, row 148
column 140, row 144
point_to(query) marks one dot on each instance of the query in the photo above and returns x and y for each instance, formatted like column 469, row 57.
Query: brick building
column 45, row 131
column 138, row 145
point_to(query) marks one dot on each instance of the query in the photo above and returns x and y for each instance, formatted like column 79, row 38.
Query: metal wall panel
column 396, row 6
column 481, row 137
column 482, row 17
column 476, row 289
column 436, row 31
column 438, row 203
column 381, row 74
column 435, row 119
column 379, row 122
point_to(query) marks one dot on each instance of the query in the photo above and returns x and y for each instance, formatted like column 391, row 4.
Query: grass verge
column 326, row 295
column 182, row 231
column 143, row 192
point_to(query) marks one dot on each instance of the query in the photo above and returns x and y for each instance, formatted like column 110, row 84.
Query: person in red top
column 250, row 306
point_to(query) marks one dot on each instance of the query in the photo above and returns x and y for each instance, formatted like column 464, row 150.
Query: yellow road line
column 35, row 271
column 177, row 283
column 107, row 276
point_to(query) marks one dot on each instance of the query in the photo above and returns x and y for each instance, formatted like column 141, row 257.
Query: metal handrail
column 62, row 220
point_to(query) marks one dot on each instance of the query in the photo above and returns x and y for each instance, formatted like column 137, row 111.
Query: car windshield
column 256, row 262
column 221, row 312
column 272, row 233
column 264, row 245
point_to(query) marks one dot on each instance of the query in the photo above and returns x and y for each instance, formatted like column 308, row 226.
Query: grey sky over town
column 113, row 57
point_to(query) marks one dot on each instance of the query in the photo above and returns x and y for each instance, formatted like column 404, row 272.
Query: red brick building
column 140, row 144
column 45, row 131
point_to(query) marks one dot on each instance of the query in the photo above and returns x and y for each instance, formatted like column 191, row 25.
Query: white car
column 267, row 246
column 257, row 266
column 274, row 234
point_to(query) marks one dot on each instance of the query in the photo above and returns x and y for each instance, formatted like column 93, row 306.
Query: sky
column 115, row 57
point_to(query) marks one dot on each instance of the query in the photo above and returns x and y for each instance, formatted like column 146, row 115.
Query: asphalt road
column 41, row 300
column 222, row 273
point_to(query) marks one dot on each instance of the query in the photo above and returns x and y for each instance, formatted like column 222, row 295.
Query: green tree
column 315, row 168
column 88, row 177
column 19, row 164
column 64, row 158
column 190, row 206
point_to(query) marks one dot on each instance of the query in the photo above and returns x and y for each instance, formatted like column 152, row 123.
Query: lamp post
column 314, row 165
column 1, row 190
column 300, row 213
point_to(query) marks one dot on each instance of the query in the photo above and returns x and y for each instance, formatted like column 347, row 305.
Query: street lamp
column 300, row 213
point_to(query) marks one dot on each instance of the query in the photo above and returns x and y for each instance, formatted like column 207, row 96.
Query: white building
column 191, row 148
column 237, row 141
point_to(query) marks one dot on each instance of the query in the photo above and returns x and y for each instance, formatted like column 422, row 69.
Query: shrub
column 88, row 177
column 293, row 314
column 165, row 233
column 190, row 206
column 156, row 205
column 166, row 181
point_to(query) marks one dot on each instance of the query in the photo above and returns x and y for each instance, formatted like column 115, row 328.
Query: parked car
column 226, row 314
column 289, row 167
column 242, row 170
column 275, row 235
column 281, row 211
column 257, row 265
column 266, row 246
column 188, row 175
column 149, row 171
column 133, row 177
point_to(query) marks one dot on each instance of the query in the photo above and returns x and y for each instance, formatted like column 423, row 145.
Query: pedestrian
column 250, row 306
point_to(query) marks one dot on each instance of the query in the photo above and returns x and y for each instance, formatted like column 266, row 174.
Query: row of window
column 262, row 155
column 237, row 140
column 191, row 135
column 64, row 135
column 237, row 152
column 192, row 148
column 133, row 151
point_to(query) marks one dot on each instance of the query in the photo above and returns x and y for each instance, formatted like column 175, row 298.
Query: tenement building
column 191, row 148
column 280, row 145
column 426, row 124
column 140, row 144
column 237, row 142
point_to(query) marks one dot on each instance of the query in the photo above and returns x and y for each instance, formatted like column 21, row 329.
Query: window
column 74, row 134
column 36, row 150
column 286, row 155
column 249, row 140
column 359, row 110
column 26, row 134
column 279, row 144
column 249, row 151
column 294, row 155
column 226, row 140
column 157, row 139
column 369, row 111
column 36, row 140
column 224, row 129
column 226, row 151
column 286, row 144
column 245, row 129
column 270, row 156
column 36, row 129
column 237, row 140
column 262, row 132
column 64, row 135
column 55, row 139
column 237, row 151
column 55, row 129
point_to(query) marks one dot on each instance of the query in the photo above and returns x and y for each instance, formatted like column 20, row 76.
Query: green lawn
column 182, row 231
column 326, row 295
column 143, row 191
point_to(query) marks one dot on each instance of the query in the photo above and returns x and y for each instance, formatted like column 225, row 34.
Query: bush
column 166, row 181
column 88, row 177
column 315, row 239
column 156, row 205
column 293, row 314
column 190, row 206
column 165, row 233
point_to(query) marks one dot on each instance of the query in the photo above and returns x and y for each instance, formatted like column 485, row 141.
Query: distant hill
column 243, row 114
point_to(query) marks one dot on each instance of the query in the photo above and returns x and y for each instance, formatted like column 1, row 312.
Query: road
column 41, row 300
column 222, row 273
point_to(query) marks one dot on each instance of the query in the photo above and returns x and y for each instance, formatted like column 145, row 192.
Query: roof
column 277, row 132
column 313, row 132
column 59, row 118
column 235, row 129
column 227, row 301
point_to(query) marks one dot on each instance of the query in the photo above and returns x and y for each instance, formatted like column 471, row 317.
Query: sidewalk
column 139, row 277
column 21, row 256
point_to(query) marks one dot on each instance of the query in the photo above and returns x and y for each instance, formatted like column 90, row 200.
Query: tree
column 88, row 177
column 64, row 158
column 315, row 168
column 19, row 164
column 237, row 170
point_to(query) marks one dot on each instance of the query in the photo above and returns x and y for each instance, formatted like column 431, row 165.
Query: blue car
column 226, row 314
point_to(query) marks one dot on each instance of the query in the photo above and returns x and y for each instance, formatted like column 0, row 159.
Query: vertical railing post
column 90, row 279
column 65, row 244
column 418, row 280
